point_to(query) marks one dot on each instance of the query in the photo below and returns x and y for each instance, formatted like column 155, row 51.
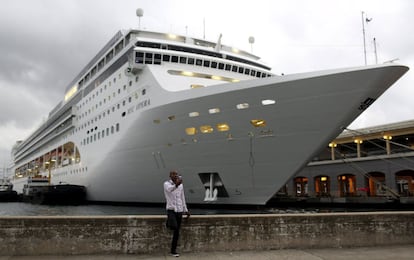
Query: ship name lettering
column 143, row 104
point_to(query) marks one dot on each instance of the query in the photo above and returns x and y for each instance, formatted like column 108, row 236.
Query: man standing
column 176, row 206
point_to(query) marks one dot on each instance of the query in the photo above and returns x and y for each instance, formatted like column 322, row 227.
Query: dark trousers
column 174, row 217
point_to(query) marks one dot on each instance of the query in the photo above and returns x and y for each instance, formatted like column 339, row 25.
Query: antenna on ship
column 251, row 41
column 140, row 13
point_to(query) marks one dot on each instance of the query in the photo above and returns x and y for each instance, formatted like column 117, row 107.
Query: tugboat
column 7, row 194
column 39, row 190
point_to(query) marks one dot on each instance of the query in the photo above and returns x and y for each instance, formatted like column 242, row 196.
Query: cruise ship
column 151, row 102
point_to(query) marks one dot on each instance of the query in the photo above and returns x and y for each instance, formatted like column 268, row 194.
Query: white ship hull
column 246, row 164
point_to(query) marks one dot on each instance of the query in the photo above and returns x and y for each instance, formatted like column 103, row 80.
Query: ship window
column 93, row 72
column 139, row 58
column 107, row 131
column 109, row 56
column 258, row 122
column 119, row 47
column 117, row 127
column 123, row 103
column 206, row 129
column 170, row 118
column 123, row 114
column 130, row 99
column 252, row 73
column 191, row 130
column 221, row 65
column 206, row 63
column 103, row 133
column 214, row 110
column 259, row 74
column 214, row 64
column 191, row 61
column 222, row 127
column 199, row 62
column 183, row 60
column 174, row 59
column 247, row 71
column 143, row 91
column 228, row 67
column 193, row 114
column 118, row 106
column 266, row 102
column 112, row 129
column 166, row 58
column 242, row 106
column 148, row 58
column 99, row 135
column 157, row 58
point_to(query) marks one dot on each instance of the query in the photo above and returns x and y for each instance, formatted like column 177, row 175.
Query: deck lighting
column 187, row 73
column 387, row 137
column 258, row 122
column 324, row 178
column 172, row 36
column 358, row 141
column 332, row 145
column 222, row 127
column 216, row 77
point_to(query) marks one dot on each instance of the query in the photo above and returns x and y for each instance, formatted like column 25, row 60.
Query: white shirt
column 175, row 197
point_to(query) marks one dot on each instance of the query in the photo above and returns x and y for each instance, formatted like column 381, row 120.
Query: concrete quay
column 143, row 236
column 404, row 252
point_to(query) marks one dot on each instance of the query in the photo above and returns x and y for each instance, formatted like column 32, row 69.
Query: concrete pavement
column 361, row 253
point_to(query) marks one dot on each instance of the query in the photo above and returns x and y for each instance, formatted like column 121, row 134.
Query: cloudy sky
column 45, row 43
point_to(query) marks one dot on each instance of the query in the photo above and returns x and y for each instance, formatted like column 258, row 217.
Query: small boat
column 7, row 194
column 39, row 190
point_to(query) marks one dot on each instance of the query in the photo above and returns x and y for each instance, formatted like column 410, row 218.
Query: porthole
column 258, row 122
column 242, row 106
column 193, row 114
column 191, row 130
column 214, row 110
column 222, row 127
column 206, row 129
column 266, row 102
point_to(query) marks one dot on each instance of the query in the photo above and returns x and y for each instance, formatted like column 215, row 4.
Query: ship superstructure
column 151, row 102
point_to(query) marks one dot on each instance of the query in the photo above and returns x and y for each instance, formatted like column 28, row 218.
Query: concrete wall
column 147, row 234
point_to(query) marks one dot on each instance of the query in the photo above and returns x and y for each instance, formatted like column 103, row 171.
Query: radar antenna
column 251, row 41
column 140, row 13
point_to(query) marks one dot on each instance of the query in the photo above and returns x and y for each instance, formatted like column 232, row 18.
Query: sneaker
column 175, row 254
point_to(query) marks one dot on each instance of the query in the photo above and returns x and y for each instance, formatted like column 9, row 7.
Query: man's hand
column 188, row 214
